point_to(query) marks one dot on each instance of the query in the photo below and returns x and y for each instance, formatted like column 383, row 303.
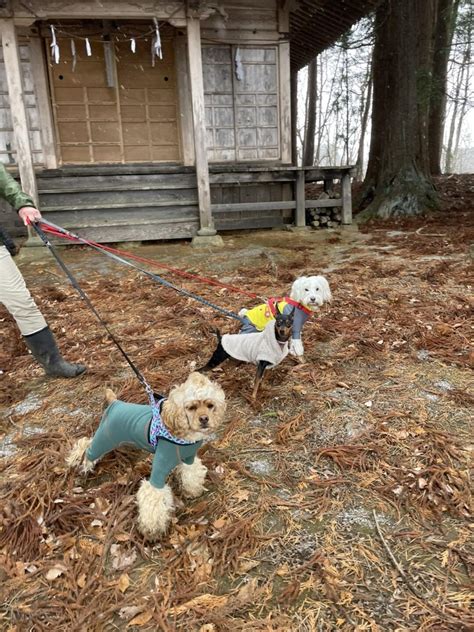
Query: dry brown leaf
column 123, row 582
column 127, row 612
column 299, row 388
column 422, row 483
column 219, row 523
column 122, row 559
column 247, row 565
column 122, row 537
column 55, row 572
column 247, row 591
column 283, row 570
column 81, row 580
column 141, row 619
column 207, row 600
column 241, row 495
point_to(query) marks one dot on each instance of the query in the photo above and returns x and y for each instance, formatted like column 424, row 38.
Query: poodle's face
column 312, row 291
column 194, row 409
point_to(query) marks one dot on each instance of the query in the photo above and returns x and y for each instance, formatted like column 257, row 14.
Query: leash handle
column 88, row 302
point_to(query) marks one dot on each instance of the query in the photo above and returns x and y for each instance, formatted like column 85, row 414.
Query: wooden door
column 242, row 114
column 123, row 112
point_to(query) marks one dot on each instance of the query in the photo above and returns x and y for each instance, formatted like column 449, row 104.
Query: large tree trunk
column 308, row 152
column 398, row 174
column 443, row 35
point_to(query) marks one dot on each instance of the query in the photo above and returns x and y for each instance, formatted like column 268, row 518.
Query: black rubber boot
column 44, row 348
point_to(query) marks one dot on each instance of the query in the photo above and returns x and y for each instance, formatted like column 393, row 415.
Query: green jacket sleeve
column 11, row 191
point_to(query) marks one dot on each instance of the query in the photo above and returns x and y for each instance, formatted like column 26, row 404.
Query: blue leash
column 151, row 275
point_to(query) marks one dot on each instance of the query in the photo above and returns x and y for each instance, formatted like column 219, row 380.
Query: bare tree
column 443, row 35
column 461, row 96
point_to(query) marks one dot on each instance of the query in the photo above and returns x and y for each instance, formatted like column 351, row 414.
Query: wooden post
column 199, row 121
column 328, row 186
column 300, row 219
column 43, row 102
column 284, row 81
column 184, row 96
column 294, row 115
column 24, row 158
column 346, row 199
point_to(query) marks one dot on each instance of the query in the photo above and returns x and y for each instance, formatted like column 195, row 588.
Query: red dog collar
column 273, row 301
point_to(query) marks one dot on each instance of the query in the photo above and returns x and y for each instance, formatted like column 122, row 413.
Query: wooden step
column 112, row 169
column 98, row 201
column 116, row 183
column 122, row 216
column 180, row 229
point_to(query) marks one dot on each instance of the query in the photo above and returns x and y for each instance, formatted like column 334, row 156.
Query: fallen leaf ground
column 340, row 501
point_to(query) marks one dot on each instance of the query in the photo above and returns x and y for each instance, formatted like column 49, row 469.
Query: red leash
column 272, row 303
column 152, row 262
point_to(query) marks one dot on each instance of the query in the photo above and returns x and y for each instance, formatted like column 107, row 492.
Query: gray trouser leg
column 16, row 297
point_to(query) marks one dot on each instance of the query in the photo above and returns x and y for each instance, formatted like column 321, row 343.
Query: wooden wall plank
column 11, row 55
column 184, row 101
column 285, row 102
column 253, row 206
column 43, row 98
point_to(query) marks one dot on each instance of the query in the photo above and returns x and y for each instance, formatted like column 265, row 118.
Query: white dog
column 307, row 295
column 311, row 292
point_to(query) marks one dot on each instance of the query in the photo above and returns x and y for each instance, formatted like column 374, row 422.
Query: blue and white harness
column 158, row 430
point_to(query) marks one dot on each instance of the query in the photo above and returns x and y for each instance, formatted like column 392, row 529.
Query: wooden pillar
column 346, row 199
column 43, row 102
column 284, row 81
column 184, row 96
column 294, row 115
column 24, row 157
column 199, row 122
column 300, row 219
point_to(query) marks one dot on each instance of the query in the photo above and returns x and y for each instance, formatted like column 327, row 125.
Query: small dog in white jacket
column 307, row 295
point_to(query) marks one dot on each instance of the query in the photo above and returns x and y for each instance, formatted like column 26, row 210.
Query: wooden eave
column 317, row 24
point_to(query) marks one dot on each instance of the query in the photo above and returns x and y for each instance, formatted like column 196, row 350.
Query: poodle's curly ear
column 173, row 410
column 216, row 392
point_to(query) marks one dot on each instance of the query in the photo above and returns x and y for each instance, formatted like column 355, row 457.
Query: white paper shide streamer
column 156, row 44
column 73, row 53
column 54, row 46
column 133, row 45
column 239, row 69
column 88, row 48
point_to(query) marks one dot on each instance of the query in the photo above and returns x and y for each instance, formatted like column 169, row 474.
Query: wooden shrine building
column 146, row 119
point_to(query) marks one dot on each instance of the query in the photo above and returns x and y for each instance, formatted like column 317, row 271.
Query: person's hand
column 29, row 214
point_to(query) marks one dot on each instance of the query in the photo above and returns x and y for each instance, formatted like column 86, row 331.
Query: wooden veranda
column 124, row 146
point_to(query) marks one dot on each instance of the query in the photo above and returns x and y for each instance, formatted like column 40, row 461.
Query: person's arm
column 11, row 191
